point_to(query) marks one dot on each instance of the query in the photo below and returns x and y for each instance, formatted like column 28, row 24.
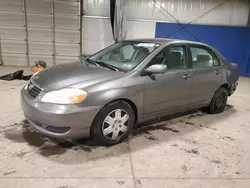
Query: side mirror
column 157, row 69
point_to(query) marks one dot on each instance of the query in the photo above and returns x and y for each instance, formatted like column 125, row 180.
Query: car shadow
column 152, row 132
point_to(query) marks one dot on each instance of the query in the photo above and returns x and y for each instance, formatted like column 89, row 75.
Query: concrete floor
column 195, row 150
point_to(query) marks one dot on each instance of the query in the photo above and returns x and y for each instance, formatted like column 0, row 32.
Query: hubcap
column 219, row 101
column 115, row 124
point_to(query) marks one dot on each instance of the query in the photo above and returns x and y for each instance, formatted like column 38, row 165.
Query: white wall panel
column 144, row 9
column 39, row 20
column 97, row 29
column 13, row 46
column 66, row 22
column 65, row 59
column 67, row 15
column 11, row 6
column 14, row 59
column 239, row 13
column 39, row 13
column 39, row 7
column 140, row 29
column 67, row 36
column 42, row 15
column 233, row 12
column 40, row 34
column 65, row 49
column 11, row 19
column 40, row 48
column 67, row 30
column 47, row 59
column 68, row 7
column 11, row 32
column 92, row 46
column 97, row 34
column 97, row 7
column 40, row 51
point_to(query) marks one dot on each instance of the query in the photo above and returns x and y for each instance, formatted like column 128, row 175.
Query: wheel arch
column 130, row 102
column 95, row 131
column 226, row 86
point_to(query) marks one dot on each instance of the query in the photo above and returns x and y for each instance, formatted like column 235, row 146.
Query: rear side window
column 203, row 58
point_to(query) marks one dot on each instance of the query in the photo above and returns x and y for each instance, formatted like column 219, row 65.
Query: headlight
column 65, row 96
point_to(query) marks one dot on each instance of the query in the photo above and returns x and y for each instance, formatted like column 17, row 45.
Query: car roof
column 164, row 41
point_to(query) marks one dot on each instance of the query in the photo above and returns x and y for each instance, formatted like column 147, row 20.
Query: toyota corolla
column 106, row 94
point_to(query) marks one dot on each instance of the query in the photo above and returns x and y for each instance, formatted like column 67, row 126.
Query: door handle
column 186, row 76
column 217, row 72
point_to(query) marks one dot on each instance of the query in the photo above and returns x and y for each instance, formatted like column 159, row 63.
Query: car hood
column 65, row 75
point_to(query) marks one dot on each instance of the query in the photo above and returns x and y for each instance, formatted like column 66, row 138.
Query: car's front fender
column 127, row 88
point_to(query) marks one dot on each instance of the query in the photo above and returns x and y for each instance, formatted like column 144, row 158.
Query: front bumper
column 60, row 121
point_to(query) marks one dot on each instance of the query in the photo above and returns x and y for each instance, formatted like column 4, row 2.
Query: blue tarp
column 232, row 42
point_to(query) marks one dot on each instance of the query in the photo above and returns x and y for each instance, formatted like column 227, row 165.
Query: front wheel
column 219, row 101
column 113, row 123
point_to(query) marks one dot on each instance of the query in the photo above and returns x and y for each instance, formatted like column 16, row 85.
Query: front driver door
column 169, row 92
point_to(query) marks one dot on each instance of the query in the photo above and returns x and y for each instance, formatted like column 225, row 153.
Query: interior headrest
column 178, row 51
column 143, row 50
column 176, row 54
column 203, row 57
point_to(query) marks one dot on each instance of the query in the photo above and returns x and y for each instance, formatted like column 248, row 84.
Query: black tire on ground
column 97, row 125
column 219, row 101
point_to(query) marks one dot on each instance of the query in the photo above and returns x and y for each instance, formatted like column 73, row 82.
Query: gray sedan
column 129, row 82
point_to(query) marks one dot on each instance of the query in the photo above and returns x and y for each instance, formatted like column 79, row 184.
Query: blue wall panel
column 232, row 42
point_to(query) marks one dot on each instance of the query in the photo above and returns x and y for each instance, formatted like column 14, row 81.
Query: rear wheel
column 219, row 101
column 113, row 123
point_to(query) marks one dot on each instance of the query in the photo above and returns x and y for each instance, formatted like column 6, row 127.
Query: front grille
column 33, row 90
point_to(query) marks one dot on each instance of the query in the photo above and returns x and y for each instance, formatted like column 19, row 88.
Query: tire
column 108, row 119
column 218, row 102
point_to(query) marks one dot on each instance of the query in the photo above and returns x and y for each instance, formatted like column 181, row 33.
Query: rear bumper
column 233, row 88
column 60, row 121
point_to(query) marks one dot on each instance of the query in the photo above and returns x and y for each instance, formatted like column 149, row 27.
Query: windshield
column 125, row 55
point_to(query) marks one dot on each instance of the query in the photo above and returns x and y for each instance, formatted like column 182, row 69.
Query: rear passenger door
column 206, row 73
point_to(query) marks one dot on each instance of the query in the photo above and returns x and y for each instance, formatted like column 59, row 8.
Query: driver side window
column 173, row 57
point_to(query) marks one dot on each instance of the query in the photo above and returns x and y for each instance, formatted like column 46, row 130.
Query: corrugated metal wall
column 50, row 29
column 12, row 32
column 39, row 29
column 67, row 30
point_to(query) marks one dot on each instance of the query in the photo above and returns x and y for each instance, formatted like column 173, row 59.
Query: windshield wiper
column 91, row 61
column 103, row 64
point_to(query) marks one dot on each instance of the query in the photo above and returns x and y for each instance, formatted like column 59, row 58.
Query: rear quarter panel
column 230, row 72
